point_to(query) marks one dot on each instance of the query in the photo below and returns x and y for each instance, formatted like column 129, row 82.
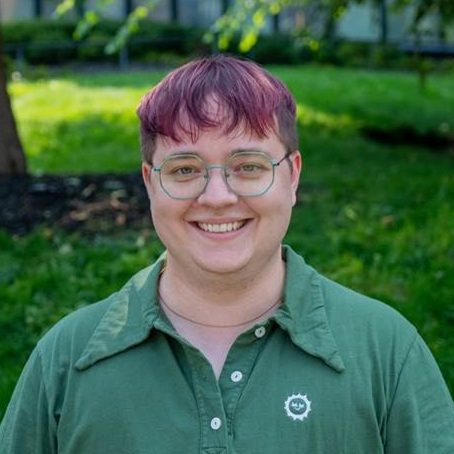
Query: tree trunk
column 37, row 8
column 12, row 158
column 127, row 8
column 174, row 10
column 224, row 6
column 383, row 7
column 329, row 27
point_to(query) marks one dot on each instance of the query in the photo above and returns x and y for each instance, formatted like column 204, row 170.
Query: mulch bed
column 434, row 142
column 86, row 203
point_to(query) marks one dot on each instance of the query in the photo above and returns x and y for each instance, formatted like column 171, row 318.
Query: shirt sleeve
column 28, row 426
column 421, row 414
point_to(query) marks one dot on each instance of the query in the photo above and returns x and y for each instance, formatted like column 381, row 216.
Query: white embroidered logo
column 297, row 407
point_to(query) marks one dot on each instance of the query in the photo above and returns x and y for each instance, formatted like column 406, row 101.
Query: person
column 230, row 342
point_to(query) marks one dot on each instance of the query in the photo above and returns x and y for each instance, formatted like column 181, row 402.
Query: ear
column 146, row 176
column 297, row 165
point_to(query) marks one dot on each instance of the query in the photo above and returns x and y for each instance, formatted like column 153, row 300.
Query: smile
column 221, row 228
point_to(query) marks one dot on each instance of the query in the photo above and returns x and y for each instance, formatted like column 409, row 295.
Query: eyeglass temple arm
column 289, row 153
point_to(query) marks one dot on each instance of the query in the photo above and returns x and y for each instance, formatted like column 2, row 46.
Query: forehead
column 217, row 143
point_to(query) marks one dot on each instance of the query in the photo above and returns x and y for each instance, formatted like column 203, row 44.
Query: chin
column 222, row 264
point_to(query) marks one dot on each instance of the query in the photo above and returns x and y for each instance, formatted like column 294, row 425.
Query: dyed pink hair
column 249, row 98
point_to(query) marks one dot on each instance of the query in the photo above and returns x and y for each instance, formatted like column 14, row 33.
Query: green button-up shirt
column 331, row 372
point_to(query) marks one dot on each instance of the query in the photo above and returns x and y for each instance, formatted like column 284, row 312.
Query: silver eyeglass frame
column 274, row 163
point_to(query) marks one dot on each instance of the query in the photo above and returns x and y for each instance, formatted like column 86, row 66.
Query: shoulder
column 360, row 326
column 343, row 307
column 104, row 320
column 365, row 327
column 348, row 306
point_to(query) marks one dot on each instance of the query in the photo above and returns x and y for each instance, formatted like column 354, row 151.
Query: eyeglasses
column 246, row 173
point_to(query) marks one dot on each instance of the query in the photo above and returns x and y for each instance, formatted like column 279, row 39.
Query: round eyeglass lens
column 183, row 176
column 250, row 173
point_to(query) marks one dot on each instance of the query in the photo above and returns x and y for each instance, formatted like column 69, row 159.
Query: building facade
column 364, row 22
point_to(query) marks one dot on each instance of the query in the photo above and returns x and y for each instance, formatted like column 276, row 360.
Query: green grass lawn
column 377, row 218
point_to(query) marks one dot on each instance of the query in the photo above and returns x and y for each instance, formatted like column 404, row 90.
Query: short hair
column 251, row 99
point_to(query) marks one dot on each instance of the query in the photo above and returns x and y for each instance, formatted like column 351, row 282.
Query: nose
column 217, row 192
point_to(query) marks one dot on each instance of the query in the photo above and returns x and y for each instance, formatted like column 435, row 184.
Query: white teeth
column 220, row 228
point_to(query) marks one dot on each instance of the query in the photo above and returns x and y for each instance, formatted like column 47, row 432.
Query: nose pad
column 217, row 187
column 214, row 177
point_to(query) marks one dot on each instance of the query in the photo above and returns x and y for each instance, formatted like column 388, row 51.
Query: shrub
column 52, row 42
column 278, row 48
column 40, row 41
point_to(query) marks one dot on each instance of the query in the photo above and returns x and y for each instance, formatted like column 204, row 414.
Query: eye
column 184, row 171
column 249, row 167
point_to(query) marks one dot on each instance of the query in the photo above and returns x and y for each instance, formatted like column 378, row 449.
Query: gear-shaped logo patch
column 297, row 407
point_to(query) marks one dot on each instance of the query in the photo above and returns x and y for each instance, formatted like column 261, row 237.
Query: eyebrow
column 246, row 150
column 233, row 152
column 182, row 152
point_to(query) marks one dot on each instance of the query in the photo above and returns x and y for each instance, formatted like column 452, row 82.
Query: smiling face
column 218, row 231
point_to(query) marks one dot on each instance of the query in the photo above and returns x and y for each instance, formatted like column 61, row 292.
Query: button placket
column 236, row 376
column 209, row 402
column 238, row 369
column 216, row 423
column 260, row 332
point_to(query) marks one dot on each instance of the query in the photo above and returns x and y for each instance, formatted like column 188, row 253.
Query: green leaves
column 95, row 14
column 248, row 41
column 246, row 19
column 64, row 7
column 125, row 31
column 91, row 18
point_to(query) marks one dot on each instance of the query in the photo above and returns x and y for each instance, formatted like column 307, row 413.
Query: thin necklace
column 217, row 326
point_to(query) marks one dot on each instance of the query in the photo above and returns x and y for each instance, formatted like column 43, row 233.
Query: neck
column 222, row 299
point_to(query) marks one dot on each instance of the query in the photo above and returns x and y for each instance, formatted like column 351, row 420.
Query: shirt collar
column 134, row 311
column 129, row 318
column 303, row 313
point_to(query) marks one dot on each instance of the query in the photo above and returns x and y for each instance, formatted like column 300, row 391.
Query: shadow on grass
column 102, row 76
column 96, row 143
column 433, row 140
column 407, row 135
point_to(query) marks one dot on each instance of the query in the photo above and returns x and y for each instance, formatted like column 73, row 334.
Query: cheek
column 167, row 215
column 161, row 213
column 276, row 211
column 285, row 199
column 162, row 224
column 293, row 198
column 154, row 188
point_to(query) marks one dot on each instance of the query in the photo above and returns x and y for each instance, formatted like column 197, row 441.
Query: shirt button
column 215, row 423
column 236, row 376
column 260, row 332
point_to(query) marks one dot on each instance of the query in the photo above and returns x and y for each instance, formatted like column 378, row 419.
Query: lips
column 220, row 227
